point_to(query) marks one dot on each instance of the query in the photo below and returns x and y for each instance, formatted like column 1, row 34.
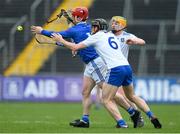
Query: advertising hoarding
column 69, row 87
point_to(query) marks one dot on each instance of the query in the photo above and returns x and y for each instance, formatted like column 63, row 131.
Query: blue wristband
column 46, row 33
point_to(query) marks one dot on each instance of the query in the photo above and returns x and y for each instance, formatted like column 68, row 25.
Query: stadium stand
column 106, row 8
column 157, row 24
column 172, row 61
column 154, row 9
column 150, row 34
column 153, row 65
column 172, row 36
column 34, row 56
column 5, row 28
column 134, row 56
column 64, row 62
column 14, row 10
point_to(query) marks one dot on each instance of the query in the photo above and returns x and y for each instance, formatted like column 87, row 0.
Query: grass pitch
column 55, row 117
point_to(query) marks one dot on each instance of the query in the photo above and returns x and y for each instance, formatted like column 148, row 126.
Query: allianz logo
column 158, row 90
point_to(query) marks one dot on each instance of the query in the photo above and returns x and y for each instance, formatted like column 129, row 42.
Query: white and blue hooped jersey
column 123, row 37
column 108, row 47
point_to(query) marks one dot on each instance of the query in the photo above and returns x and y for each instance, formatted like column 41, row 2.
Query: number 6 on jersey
column 112, row 43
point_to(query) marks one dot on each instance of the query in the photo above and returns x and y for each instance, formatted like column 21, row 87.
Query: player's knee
column 86, row 93
column 119, row 97
column 106, row 100
column 131, row 97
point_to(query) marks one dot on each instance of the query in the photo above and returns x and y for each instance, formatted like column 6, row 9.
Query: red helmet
column 81, row 12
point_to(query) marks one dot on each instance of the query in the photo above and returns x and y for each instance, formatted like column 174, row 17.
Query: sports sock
column 121, row 122
column 131, row 111
column 149, row 114
column 85, row 118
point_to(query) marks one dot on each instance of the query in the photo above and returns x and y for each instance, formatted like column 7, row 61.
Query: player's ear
column 94, row 29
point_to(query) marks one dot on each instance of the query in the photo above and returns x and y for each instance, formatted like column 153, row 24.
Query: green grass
column 55, row 117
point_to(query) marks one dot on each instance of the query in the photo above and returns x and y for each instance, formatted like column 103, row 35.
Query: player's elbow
column 78, row 46
column 143, row 42
column 74, row 48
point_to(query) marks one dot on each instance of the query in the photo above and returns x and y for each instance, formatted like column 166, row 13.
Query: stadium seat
column 147, row 32
column 154, row 9
column 134, row 59
column 5, row 29
column 64, row 62
column 153, row 64
column 172, row 36
column 172, row 63
column 106, row 8
column 15, row 8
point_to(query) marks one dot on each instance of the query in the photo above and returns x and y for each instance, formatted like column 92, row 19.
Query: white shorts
column 96, row 69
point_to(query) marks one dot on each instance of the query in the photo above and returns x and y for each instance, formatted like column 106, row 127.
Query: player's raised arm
column 135, row 41
column 118, row 24
column 40, row 30
column 58, row 38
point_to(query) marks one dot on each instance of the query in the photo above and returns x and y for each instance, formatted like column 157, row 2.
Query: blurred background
column 33, row 72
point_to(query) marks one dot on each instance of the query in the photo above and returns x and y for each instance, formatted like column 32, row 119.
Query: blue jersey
column 78, row 33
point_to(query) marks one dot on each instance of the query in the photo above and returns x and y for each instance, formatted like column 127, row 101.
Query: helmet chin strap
column 116, row 31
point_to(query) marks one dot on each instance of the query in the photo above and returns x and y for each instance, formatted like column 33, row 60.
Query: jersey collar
column 81, row 23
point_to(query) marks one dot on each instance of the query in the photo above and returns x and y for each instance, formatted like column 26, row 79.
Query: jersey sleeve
column 65, row 34
column 91, row 40
column 132, row 36
column 129, row 36
column 46, row 33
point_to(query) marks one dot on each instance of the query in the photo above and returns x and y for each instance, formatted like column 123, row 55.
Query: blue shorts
column 119, row 76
